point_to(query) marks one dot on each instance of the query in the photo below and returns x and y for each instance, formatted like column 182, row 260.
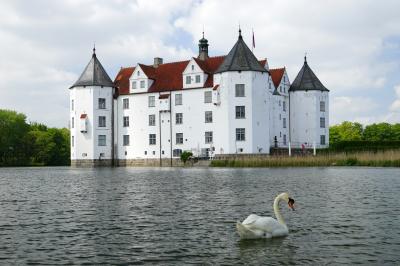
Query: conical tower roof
column 94, row 75
column 307, row 80
column 240, row 58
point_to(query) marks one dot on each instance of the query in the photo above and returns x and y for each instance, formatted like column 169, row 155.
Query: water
column 179, row 216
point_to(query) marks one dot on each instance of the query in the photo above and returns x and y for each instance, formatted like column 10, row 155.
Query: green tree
column 378, row 132
column 185, row 156
column 345, row 131
column 13, row 145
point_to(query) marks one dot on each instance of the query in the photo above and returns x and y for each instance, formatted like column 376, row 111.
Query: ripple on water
column 64, row 216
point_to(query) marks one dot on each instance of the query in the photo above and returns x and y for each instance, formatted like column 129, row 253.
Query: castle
column 211, row 106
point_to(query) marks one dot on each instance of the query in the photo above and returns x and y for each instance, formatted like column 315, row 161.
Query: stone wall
column 91, row 163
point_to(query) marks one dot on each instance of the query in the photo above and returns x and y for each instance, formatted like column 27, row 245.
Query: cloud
column 395, row 107
column 46, row 44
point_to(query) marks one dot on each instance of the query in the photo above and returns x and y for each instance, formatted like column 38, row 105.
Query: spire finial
column 240, row 31
column 203, row 31
column 94, row 49
column 305, row 57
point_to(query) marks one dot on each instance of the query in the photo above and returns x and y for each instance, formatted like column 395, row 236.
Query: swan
column 256, row 226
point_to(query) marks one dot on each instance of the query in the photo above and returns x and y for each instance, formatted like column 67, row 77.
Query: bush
column 185, row 156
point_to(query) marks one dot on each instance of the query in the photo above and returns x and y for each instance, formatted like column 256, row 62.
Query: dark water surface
column 187, row 216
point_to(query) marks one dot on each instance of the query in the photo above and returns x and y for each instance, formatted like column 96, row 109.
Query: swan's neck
column 277, row 211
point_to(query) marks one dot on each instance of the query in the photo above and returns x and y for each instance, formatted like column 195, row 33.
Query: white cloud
column 352, row 109
column 395, row 107
column 46, row 44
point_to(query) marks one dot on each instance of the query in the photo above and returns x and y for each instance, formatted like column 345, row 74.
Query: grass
column 390, row 158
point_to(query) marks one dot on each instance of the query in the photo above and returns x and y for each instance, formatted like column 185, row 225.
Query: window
column 145, row 152
column 240, row 134
column 284, row 122
column 102, row 121
column 209, row 137
column 279, row 103
column 126, row 121
column 138, row 73
column 178, row 118
column 177, row 152
column 322, row 140
column 322, row 122
column 142, row 84
column 152, row 120
column 208, row 117
column 72, row 122
column 197, row 78
column 178, row 99
column 188, row 79
column 179, row 138
column 125, row 103
column 284, row 106
column 72, row 105
column 102, row 140
column 280, row 117
column 240, row 112
column 192, row 67
column 284, row 139
column 207, row 96
column 322, row 106
column 133, row 85
column 72, row 141
column 239, row 90
column 152, row 139
column 102, row 103
column 152, row 101
column 126, row 140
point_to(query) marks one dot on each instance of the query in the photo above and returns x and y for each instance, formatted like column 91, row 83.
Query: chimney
column 157, row 61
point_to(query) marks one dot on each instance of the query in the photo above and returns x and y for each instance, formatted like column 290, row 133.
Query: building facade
column 223, row 105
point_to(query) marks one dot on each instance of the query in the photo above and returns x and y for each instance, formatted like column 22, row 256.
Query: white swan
column 265, row 227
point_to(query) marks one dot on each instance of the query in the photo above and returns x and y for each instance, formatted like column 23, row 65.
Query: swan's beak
column 291, row 204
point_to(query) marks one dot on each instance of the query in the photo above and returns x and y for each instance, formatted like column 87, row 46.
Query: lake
column 179, row 216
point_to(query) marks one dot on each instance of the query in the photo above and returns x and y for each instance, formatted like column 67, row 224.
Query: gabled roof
column 168, row 76
column 307, row 80
column 94, row 75
column 240, row 58
column 122, row 79
column 277, row 75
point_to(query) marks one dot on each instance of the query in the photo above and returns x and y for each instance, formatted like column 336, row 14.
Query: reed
column 390, row 158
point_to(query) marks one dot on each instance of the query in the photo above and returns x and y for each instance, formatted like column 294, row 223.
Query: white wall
column 86, row 102
column 305, row 117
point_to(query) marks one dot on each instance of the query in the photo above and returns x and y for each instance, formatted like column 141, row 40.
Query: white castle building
column 211, row 106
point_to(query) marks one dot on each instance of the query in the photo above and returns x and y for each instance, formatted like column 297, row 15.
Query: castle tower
column 309, row 110
column 91, row 116
column 203, row 48
column 243, row 83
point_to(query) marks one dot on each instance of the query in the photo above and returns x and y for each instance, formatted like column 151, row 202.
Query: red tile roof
column 83, row 116
column 122, row 80
column 276, row 75
column 168, row 76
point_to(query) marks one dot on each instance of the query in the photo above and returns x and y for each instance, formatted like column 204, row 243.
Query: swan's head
column 288, row 199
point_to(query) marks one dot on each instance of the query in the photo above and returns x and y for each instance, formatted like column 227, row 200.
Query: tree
column 378, row 132
column 13, row 129
column 185, row 156
column 345, row 131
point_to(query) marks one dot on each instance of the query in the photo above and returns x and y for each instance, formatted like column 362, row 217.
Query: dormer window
column 138, row 73
column 192, row 67
column 188, row 79
column 142, row 84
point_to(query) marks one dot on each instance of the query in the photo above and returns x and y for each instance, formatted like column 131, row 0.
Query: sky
column 353, row 46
